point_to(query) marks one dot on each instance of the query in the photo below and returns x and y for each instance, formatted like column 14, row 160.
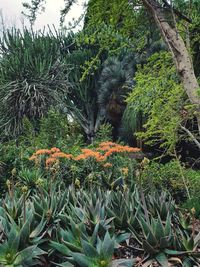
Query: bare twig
column 177, row 12
column 197, row 143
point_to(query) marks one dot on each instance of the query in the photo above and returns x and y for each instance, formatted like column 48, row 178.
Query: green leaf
column 38, row 229
column 168, row 225
column 89, row 250
column 190, row 245
column 64, row 264
column 148, row 248
column 187, row 263
column 122, row 237
column 81, row 259
column 61, row 248
column 174, row 252
column 108, row 246
column 73, row 247
column 159, row 231
column 162, row 259
column 123, row 263
column 24, row 255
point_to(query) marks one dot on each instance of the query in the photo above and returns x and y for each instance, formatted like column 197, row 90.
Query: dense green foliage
column 32, row 74
column 159, row 96
column 71, row 228
column 76, row 191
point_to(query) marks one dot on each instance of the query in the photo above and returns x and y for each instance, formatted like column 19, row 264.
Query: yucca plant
column 81, row 101
column 32, row 73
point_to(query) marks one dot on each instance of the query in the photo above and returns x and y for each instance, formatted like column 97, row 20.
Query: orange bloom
column 107, row 165
column 33, row 157
column 120, row 149
column 43, row 151
column 61, row 155
column 132, row 149
column 51, row 161
column 100, row 158
column 55, row 149
column 80, row 157
column 87, row 151
column 124, row 171
column 90, row 153
column 104, row 148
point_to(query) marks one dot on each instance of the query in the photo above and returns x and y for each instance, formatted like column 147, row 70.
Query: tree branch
column 191, row 136
column 177, row 12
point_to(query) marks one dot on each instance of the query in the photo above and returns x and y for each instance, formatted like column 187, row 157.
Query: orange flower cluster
column 104, row 150
column 110, row 148
column 107, row 165
column 55, row 150
column 43, row 151
column 62, row 155
column 33, row 157
column 107, row 143
column 89, row 153
column 54, row 153
column 50, row 162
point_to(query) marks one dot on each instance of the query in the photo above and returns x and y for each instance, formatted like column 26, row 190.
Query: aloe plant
column 124, row 207
column 29, row 177
column 94, row 253
column 161, row 203
column 19, row 243
column 50, row 205
column 155, row 237
column 100, row 255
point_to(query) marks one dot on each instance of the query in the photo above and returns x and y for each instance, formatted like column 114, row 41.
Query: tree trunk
column 179, row 53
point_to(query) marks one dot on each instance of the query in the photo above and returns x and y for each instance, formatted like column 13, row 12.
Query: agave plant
column 187, row 251
column 96, row 214
column 71, row 237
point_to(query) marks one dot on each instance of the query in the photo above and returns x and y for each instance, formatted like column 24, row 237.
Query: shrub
column 169, row 177
column 107, row 164
column 193, row 204
column 15, row 153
